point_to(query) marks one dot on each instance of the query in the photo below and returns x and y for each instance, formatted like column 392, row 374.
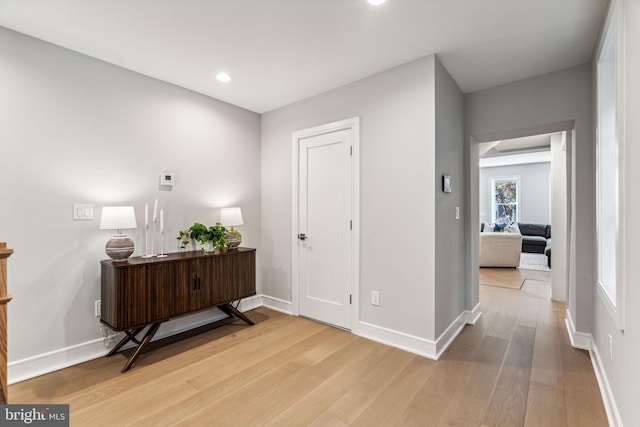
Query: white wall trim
column 401, row 340
column 579, row 340
column 613, row 415
column 45, row 363
column 251, row 303
column 472, row 316
column 277, row 304
column 352, row 123
column 41, row 364
column 585, row 341
column 446, row 338
column 411, row 343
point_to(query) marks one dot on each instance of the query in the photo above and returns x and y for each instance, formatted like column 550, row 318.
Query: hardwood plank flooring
column 514, row 367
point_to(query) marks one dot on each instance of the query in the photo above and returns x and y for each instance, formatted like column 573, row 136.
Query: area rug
column 510, row 278
column 533, row 262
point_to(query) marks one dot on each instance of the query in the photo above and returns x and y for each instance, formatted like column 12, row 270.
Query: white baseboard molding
column 411, row 343
column 41, row 364
column 585, row 341
column 471, row 317
column 446, row 338
column 579, row 340
column 613, row 415
column 277, row 304
column 401, row 340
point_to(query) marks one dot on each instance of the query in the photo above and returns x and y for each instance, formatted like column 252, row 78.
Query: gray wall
column 548, row 103
column 77, row 130
column 623, row 371
column 534, row 191
column 396, row 110
column 450, row 239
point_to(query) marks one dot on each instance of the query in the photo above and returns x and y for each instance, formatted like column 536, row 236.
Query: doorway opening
column 523, row 194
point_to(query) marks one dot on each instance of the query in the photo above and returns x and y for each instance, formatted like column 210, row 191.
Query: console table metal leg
column 231, row 311
column 146, row 340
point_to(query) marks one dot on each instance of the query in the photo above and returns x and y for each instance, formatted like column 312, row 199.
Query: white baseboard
column 401, row 340
column 251, row 303
column 585, row 341
column 41, row 364
column 277, row 304
column 471, row 317
column 446, row 338
column 613, row 415
column 579, row 340
column 411, row 343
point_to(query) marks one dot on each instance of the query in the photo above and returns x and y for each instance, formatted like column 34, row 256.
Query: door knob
column 302, row 236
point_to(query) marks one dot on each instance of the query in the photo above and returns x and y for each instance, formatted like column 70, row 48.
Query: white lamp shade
column 231, row 217
column 118, row 218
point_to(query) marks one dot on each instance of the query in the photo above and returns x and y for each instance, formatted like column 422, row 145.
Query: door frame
column 352, row 124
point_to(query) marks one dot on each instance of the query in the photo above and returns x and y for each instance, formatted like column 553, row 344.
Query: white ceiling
column 282, row 51
column 526, row 144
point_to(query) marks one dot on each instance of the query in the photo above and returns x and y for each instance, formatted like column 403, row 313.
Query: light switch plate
column 82, row 211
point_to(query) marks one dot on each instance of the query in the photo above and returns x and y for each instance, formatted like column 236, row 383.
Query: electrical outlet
column 375, row 298
column 610, row 347
column 98, row 308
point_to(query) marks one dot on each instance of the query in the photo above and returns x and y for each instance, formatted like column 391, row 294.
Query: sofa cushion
column 535, row 240
column 534, row 229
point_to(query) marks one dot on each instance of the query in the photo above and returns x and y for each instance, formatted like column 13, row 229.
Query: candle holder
column 153, row 229
column 162, row 254
column 147, row 254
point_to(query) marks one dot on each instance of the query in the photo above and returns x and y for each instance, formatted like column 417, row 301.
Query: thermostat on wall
column 167, row 179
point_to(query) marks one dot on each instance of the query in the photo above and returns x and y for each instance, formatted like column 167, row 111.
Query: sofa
column 500, row 249
column 536, row 238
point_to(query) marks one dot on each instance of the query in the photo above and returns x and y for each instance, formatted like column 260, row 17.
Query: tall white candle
column 146, row 215
column 155, row 211
column 161, row 221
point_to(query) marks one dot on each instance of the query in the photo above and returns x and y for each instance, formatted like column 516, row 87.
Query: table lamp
column 229, row 217
column 119, row 218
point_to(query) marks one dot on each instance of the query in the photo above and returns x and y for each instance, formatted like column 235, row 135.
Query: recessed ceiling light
column 223, row 77
column 376, row 2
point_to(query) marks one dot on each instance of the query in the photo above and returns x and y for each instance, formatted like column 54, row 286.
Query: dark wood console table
column 145, row 292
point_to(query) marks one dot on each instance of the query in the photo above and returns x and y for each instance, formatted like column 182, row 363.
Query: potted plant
column 210, row 238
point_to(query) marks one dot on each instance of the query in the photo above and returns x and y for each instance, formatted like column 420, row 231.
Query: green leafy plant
column 201, row 233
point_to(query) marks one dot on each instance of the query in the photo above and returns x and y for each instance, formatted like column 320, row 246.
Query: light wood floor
column 514, row 367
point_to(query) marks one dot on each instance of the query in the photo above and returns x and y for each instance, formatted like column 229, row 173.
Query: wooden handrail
column 4, row 299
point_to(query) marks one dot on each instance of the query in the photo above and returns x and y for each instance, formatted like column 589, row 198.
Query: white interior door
column 324, row 227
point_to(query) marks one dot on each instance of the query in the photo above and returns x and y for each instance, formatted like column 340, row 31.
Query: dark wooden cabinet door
column 194, row 285
column 162, row 279
column 140, row 293
column 204, row 277
column 135, row 293
column 237, row 274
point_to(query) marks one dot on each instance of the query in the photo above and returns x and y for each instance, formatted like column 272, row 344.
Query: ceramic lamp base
column 234, row 239
column 119, row 248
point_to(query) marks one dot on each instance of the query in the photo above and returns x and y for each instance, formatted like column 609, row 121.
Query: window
column 609, row 146
column 504, row 200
